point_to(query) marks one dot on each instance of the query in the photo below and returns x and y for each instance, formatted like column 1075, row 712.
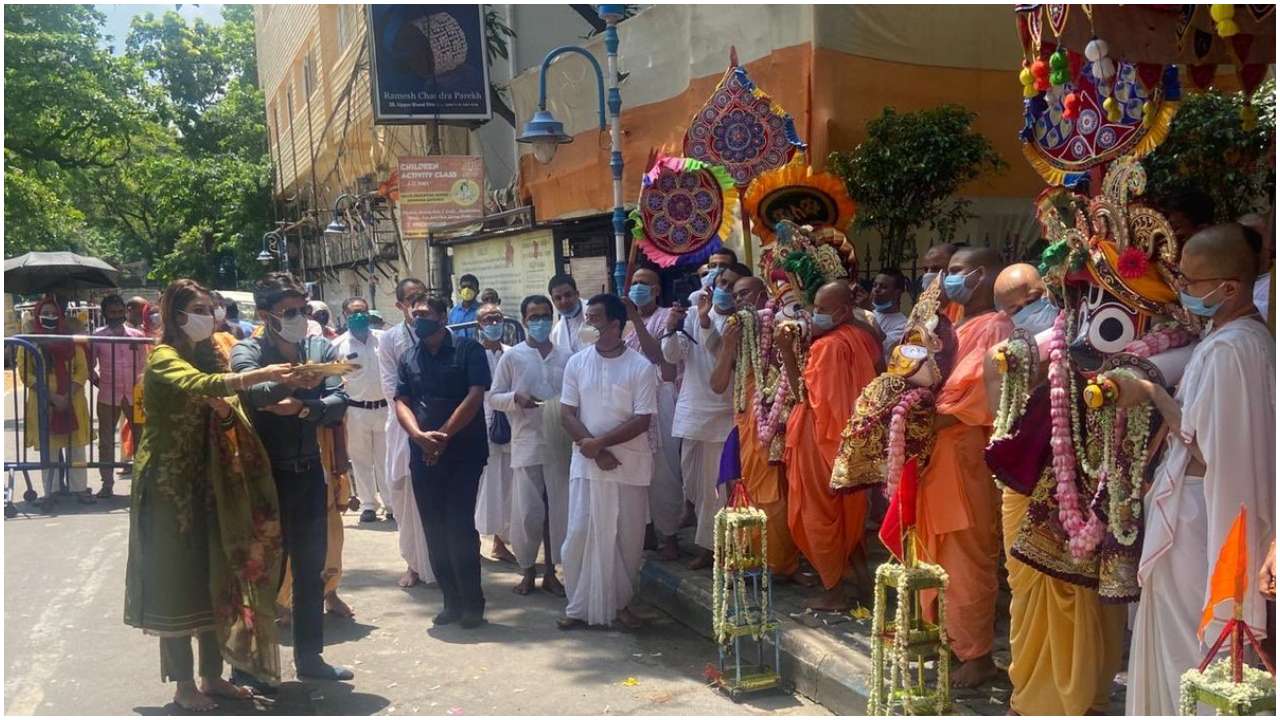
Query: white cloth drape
column 392, row 345
column 603, row 549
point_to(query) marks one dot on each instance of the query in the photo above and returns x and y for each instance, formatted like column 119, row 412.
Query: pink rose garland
column 1083, row 535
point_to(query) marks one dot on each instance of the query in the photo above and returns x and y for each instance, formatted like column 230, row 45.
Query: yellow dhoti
column 1066, row 645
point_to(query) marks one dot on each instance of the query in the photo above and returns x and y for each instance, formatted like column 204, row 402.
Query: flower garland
column 1243, row 698
column 915, row 699
column 897, row 450
column 737, row 530
column 1083, row 535
column 1019, row 362
column 1159, row 340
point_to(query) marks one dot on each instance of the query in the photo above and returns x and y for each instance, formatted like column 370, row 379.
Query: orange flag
column 1229, row 573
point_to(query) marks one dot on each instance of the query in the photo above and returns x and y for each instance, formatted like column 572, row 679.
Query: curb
column 821, row 668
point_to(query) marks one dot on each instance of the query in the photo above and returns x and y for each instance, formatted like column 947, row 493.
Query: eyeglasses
column 1182, row 282
column 288, row 314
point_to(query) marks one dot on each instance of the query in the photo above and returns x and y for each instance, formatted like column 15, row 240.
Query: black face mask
column 425, row 327
column 115, row 321
column 49, row 323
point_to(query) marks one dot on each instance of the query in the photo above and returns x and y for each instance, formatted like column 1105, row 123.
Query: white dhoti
column 700, row 464
column 529, row 514
column 1164, row 627
column 367, row 449
column 413, row 537
column 666, row 491
column 493, row 503
column 603, row 549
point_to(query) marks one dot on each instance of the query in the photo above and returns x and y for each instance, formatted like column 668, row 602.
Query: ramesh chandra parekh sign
column 428, row 63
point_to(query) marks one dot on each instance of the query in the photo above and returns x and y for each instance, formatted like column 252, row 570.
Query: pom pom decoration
column 1132, row 263
column 1060, row 70
column 1071, row 106
column 1028, row 81
column 1112, row 108
column 1095, row 50
column 1040, row 71
column 1224, row 19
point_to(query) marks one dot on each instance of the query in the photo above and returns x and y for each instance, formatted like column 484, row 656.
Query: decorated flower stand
column 908, row 639
column 742, row 612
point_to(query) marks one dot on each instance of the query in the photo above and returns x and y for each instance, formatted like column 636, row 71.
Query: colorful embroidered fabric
column 685, row 211
column 741, row 128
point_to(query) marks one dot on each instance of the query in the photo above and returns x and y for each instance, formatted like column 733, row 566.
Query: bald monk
column 826, row 526
column 765, row 483
column 933, row 263
column 1220, row 457
column 958, row 504
column 1065, row 644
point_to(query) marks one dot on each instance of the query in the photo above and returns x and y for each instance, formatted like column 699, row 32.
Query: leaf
column 630, row 682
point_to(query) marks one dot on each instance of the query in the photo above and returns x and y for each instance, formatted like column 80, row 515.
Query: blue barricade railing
column 102, row 371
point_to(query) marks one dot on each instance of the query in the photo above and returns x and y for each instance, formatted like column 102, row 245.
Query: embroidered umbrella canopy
column 795, row 192
column 685, row 211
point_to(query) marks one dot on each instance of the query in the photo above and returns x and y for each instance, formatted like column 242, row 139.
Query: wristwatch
column 304, row 412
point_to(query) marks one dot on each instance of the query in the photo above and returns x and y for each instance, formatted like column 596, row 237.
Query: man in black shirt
column 439, row 399
column 286, row 416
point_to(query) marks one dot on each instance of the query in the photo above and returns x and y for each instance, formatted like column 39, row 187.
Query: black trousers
column 446, row 498
column 177, row 663
column 304, row 522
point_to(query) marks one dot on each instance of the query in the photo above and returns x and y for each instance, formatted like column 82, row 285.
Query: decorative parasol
column 795, row 192
column 684, row 213
column 743, row 129
column 37, row 272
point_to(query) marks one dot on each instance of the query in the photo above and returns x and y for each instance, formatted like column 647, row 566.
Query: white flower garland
column 1020, row 365
column 737, row 529
column 1241, row 698
column 914, row 700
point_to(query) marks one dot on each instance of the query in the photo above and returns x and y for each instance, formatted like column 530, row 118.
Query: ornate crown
column 809, row 258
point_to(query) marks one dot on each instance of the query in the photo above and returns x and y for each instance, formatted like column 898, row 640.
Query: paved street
column 67, row 651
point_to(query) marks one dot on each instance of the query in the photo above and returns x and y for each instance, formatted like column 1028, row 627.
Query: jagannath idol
column 1058, row 436
column 800, row 261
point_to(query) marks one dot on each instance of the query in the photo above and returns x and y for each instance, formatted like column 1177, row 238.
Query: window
column 309, row 79
column 347, row 22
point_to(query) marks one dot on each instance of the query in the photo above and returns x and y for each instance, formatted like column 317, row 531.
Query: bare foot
column 833, row 600
column 551, row 584
column 500, row 551
column 628, row 620
column 218, row 687
column 670, row 550
column 526, row 582
column 335, row 605
column 703, row 560
column 192, row 700
column 409, row 579
column 973, row 673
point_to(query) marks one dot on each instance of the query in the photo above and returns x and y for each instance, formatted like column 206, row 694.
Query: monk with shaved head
column 958, row 504
column 842, row 360
column 1220, row 460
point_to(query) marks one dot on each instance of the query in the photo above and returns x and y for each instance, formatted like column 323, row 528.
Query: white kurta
column 894, row 326
column 493, row 503
column 703, row 420
column 564, row 334
column 1227, row 396
column 666, row 489
column 366, row 427
column 604, row 545
column 392, row 345
column 537, row 468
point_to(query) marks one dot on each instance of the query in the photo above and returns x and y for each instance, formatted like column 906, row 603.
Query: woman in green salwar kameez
column 204, row 535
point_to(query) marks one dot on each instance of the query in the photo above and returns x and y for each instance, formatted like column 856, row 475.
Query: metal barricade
column 113, row 367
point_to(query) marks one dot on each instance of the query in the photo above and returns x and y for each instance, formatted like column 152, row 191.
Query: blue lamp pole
column 545, row 133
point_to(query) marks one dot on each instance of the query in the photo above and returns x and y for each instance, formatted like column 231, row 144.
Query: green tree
column 1208, row 149
column 907, row 172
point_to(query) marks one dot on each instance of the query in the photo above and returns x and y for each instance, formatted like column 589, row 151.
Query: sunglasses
column 288, row 314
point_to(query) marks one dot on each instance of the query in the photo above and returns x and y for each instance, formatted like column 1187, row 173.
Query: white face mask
column 197, row 327
column 293, row 330
column 219, row 314
column 588, row 334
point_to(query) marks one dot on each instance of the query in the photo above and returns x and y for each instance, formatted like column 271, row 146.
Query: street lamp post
column 545, row 133
column 273, row 244
column 337, row 228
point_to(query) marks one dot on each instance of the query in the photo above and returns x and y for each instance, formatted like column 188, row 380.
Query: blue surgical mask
column 425, row 327
column 956, row 287
column 927, row 279
column 823, row 322
column 358, row 323
column 883, row 307
column 640, row 294
column 1197, row 305
column 710, row 280
column 1037, row 316
column 723, row 300
column 539, row 329
column 492, row 333
column 575, row 312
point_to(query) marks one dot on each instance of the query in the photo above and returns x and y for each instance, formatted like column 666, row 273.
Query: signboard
column 428, row 63
column 802, row 205
column 516, row 266
column 437, row 190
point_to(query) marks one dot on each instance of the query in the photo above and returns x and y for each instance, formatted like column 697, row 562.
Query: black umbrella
column 39, row 272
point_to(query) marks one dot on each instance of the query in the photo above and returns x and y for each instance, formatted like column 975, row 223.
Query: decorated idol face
column 1106, row 325
column 791, row 305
